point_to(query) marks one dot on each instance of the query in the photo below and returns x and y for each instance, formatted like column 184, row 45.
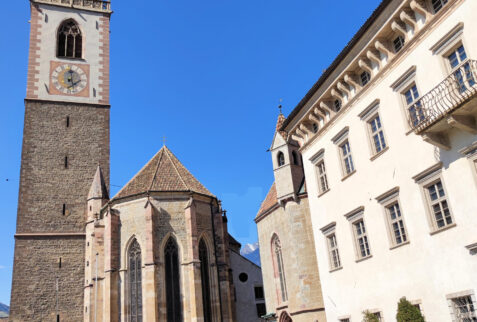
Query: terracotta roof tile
column 270, row 200
column 164, row 172
column 280, row 121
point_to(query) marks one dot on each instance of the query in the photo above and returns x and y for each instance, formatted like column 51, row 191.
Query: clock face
column 69, row 79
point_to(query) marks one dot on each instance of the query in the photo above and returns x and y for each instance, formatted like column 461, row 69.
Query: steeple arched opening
column 281, row 159
column 69, row 40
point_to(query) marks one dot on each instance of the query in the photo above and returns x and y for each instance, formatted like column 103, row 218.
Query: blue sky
column 208, row 75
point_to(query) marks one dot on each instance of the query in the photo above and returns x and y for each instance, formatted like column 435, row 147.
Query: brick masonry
column 34, row 52
column 104, row 59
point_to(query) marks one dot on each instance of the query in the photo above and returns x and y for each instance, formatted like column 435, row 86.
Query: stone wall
column 36, row 267
column 293, row 227
column 46, row 184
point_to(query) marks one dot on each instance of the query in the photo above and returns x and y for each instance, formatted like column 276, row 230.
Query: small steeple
column 280, row 121
column 98, row 188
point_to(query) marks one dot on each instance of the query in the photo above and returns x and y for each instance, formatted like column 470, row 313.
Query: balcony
column 93, row 5
column 450, row 105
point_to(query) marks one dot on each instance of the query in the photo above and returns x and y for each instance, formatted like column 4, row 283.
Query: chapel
column 163, row 224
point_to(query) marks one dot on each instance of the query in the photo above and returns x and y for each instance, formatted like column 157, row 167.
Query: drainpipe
column 216, row 262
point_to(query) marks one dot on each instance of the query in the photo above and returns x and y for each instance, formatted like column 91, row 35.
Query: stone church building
column 289, row 264
column 157, row 251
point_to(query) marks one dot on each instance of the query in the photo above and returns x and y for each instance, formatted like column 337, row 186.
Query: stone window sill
column 443, row 229
column 322, row 193
column 348, row 175
column 377, row 155
column 400, row 245
column 363, row 259
column 336, row 269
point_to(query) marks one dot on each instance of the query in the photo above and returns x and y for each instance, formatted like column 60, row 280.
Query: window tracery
column 70, row 40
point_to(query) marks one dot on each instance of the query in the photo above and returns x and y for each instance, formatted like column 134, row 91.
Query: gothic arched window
column 280, row 270
column 281, row 159
column 70, row 40
column 173, row 291
column 135, row 282
column 204, row 273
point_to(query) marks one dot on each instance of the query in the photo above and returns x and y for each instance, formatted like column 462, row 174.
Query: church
column 157, row 251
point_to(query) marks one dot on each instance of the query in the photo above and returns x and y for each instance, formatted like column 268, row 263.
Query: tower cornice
column 102, row 6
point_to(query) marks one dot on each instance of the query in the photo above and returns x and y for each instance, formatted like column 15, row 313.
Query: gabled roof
column 270, row 200
column 163, row 173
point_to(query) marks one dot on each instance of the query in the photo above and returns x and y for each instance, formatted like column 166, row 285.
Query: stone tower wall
column 44, row 233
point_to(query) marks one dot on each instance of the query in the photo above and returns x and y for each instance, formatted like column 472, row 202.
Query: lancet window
column 280, row 270
column 173, row 291
column 204, row 272
column 135, row 282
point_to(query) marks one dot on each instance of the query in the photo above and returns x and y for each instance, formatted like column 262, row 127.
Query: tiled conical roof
column 163, row 173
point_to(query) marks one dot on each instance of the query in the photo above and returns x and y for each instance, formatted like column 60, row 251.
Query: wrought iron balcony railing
column 452, row 93
column 97, row 5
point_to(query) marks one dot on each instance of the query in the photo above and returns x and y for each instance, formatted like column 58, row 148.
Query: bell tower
column 287, row 164
column 65, row 139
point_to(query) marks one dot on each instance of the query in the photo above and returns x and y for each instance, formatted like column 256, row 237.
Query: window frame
column 367, row 79
column 329, row 231
column 387, row 200
column 425, row 179
column 279, row 163
column 368, row 115
column 451, row 298
column 401, row 42
column 279, row 269
column 355, row 217
column 459, row 68
column 82, row 40
column 433, row 8
column 407, row 106
column 341, row 139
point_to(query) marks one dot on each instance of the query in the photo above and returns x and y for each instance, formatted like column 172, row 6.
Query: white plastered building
column 389, row 144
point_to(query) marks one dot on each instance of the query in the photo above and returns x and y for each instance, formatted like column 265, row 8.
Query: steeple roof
column 98, row 189
column 163, row 173
column 280, row 121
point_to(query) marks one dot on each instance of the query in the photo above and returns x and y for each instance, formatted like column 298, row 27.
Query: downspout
column 216, row 262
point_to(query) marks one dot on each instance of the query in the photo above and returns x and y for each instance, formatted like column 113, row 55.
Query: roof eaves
column 336, row 62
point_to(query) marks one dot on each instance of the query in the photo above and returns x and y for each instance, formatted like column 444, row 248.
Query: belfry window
column 135, row 282
column 70, row 40
column 279, row 267
column 173, row 291
column 281, row 159
column 204, row 274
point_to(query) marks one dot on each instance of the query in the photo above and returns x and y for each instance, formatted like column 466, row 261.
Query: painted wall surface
column 430, row 266
column 245, row 291
column 91, row 28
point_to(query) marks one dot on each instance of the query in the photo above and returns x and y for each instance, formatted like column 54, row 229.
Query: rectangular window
column 398, row 43
column 261, row 309
column 361, row 239
column 344, row 320
column 335, row 261
column 66, row 162
column 461, row 69
column 67, row 121
column 396, row 223
column 438, row 4
column 377, row 134
column 322, row 178
column 438, row 204
column 259, row 295
column 413, row 105
column 464, row 309
column 365, row 78
column 346, row 158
